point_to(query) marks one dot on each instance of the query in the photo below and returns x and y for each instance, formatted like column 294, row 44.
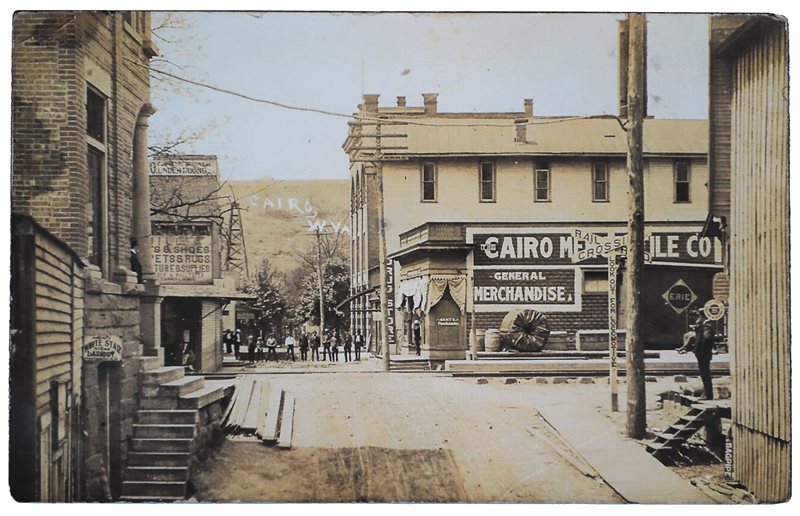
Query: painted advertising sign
column 679, row 296
column 542, row 288
column 182, row 253
column 448, row 321
column 103, row 348
column 185, row 166
column 589, row 246
column 390, row 326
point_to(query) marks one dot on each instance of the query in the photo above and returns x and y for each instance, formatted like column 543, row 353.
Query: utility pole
column 637, row 95
column 385, row 350
column 319, row 284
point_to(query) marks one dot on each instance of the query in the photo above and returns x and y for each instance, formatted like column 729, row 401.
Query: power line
column 386, row 121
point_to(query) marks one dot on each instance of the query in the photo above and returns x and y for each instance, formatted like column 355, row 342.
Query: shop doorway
column 181, row 320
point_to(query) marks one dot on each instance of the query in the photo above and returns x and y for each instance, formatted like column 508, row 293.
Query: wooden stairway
column 666, row 444
column 164, row 434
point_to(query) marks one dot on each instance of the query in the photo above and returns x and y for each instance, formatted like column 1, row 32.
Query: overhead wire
column 395, row 120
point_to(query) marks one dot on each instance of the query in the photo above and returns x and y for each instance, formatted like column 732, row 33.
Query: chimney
column 370, row 103
column 401, row 102
column 529, row 107
column 429, row 99
column 521, row 125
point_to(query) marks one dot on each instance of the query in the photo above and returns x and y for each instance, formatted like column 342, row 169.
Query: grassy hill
column 277, row 214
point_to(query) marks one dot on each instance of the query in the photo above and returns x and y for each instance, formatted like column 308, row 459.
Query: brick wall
column 55, row 56
column 50, row 177
column 593, row 316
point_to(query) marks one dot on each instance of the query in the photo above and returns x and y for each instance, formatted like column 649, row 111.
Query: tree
column 328, row 251
column 271, row 308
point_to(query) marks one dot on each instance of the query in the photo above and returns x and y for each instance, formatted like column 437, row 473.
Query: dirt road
column 402, row 437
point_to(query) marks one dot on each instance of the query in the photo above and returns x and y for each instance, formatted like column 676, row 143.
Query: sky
column 477, row 62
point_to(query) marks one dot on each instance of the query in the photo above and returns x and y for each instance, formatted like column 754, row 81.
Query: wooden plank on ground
column 232, row 403
column 287, row 422
column 242, row 403
column 251, row 416
column 269, row 433
column 263, row 405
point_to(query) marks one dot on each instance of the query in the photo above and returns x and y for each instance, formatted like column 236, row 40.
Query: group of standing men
column 330, row 346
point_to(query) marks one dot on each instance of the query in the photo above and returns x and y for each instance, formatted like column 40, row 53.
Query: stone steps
column 181, row 386
column 158, row 473
column 166, row 432
column 162, row 374
column 147, row 430
column 153, row 444
column 154, row 490
column 158, row 459
column 201, row 397
column 166, row 417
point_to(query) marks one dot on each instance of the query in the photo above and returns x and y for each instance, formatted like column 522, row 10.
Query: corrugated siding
column 759, row 266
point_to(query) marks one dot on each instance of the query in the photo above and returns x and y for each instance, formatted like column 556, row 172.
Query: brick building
column 486, row 212
column 87, row 375
column 189, row 208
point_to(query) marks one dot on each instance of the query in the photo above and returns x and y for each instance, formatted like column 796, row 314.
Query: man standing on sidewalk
column 272, row 348
column 314, row 346
column 304, row 347
column 237, row 343
column 359, row 342
column 228, row 340
column 289, row 342
column 348, row 346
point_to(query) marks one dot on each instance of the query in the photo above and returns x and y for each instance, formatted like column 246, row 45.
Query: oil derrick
column 233, row 232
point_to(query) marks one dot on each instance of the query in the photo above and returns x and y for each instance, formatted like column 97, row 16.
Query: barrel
column 492, row 339
column 480, row 337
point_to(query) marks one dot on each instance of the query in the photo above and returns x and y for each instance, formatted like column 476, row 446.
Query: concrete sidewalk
column 623, row 463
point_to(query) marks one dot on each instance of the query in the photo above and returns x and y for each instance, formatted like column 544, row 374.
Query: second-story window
column 428, row 176
column 600, row 181
column 541, row 185
column 682, row 181
column 95, row 115
column 96, row 209
column 487, row 182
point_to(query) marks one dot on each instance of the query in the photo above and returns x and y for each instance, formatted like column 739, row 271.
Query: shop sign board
column 541, row 288
column 448, row 321
column 185, row 166
column 589, row 246
column 182, row 253
column 103, row 348
column 390, row 326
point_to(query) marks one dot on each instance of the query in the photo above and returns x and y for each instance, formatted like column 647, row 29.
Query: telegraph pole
column 637, row 97
column 319, row 284
column 385, row 349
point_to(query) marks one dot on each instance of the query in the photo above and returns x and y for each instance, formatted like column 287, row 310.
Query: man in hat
column 701, row 340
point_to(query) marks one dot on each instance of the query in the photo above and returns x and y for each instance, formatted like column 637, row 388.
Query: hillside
column 277, row 216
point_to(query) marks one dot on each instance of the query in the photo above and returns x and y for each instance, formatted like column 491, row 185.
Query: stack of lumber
column 257, row 409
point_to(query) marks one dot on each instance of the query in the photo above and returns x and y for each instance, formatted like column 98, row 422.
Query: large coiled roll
column 524, row 330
